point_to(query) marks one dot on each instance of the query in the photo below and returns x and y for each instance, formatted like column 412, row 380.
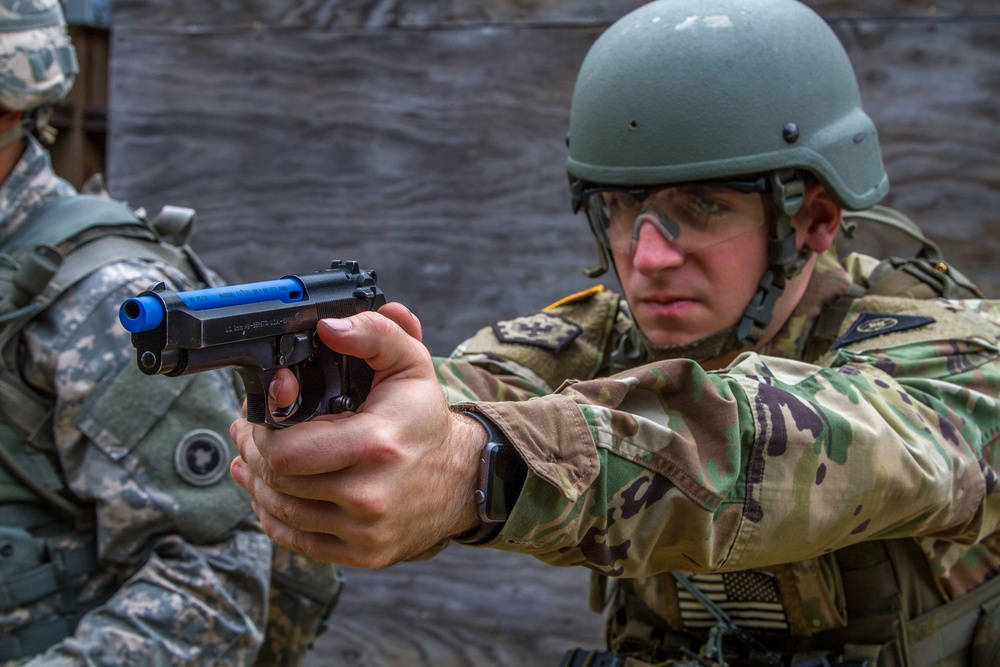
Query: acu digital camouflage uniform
column 144, row 551
column 758, row 478
column 179, row 570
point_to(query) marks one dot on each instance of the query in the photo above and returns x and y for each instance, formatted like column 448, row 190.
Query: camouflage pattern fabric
column 184, row 568
column 303, row 593
column 37, row 62
column 750, row 477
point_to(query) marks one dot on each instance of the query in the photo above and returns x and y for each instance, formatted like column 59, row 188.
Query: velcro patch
column 543, row 330
column 869, row 325
column 201, row 457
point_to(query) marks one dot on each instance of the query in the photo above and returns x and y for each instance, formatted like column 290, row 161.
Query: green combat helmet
column 37, row 63
column 678, row 92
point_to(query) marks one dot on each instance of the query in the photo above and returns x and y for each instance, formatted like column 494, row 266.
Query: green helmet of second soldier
column 37, row 66
column 759, row 97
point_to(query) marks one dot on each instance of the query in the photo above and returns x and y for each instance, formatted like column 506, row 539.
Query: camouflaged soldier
column 122, row 539
column 769, row 455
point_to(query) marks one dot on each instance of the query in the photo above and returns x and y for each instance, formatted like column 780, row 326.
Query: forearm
column 671, row 489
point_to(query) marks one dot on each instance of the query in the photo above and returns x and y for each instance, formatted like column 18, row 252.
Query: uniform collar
column 29, row 184
column 828, row 282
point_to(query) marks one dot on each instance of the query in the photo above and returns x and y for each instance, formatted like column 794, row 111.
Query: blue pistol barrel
column 145, row 312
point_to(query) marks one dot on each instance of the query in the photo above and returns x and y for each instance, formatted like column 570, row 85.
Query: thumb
column 376, row 339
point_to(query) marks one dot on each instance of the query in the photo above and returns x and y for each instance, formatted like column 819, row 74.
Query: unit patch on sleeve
column 201, row 458
column 543, row 330
column 869, row 325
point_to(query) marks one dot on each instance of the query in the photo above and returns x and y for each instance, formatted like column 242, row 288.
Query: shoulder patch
column 543, row 330
column 200, row 457
column 573, row 298
column 869, row 325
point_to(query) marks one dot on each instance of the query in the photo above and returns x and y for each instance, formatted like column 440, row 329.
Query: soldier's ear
column 818, row 221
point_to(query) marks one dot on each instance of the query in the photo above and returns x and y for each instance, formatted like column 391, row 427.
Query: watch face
column 504, row 480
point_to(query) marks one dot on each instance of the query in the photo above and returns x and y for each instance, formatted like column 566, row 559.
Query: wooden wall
column 425, row 138
column 80, row 149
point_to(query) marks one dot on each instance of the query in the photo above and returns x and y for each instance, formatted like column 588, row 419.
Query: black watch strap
column 502, row 472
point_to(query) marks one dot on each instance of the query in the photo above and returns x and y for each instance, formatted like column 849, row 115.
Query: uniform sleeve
column 669, row 467
column 180, row 552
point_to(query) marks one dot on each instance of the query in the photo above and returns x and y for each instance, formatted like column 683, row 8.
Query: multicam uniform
column 170, row 566
column 754, row 479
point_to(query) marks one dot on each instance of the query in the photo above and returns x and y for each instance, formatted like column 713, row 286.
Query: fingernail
column 337, row 325
column 236, row 470
column 273, row 389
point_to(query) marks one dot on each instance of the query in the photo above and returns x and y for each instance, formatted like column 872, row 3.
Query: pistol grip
column 257, row 411
column 256, row 384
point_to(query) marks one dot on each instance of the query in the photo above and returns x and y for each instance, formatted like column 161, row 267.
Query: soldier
column 769, row 455
column 122, row 539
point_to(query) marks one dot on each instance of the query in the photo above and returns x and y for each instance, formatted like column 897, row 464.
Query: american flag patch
column 751, row 599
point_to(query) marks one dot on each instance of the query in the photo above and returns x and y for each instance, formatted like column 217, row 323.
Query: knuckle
column 269, row 477
column 279, row 462
column 371, row 506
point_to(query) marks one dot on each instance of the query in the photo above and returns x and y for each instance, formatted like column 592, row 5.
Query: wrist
column 470, row 437
column 501, row 473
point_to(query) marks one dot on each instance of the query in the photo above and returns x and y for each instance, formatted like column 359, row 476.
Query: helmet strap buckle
column 760, row 309
column 784, row 259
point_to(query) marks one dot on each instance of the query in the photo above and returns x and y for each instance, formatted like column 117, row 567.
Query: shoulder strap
column 65, row 218
column 94, row 230
column 890, row 217
column 926, row 276
column 31, row 256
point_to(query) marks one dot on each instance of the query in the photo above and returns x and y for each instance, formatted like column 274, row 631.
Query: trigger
column 281, row 413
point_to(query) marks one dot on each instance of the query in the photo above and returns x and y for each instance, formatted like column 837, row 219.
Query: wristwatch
column 502, row 472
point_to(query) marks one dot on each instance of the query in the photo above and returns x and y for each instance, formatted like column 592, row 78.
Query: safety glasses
column 692, row 216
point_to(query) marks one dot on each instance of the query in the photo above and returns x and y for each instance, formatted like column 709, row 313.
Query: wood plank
column 197, row 16
column 215, row 15
column 81, row 119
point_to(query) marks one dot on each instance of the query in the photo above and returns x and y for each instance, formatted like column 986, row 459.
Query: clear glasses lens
column 693, row 217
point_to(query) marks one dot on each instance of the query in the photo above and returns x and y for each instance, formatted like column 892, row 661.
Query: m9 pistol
column 259, row 328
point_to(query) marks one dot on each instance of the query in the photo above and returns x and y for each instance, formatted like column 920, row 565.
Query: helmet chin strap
column 603, row 263
column 33, row 120
column 13, row 134
column 785, row 261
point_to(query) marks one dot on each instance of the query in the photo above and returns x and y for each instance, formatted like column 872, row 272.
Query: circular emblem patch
column 877, row 324
column 201, row 457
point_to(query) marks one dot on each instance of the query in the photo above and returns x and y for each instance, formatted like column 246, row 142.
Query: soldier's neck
column 10, row 153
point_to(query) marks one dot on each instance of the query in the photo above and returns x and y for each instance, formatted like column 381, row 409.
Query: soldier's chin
column 669, row 331
column 718, row 346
